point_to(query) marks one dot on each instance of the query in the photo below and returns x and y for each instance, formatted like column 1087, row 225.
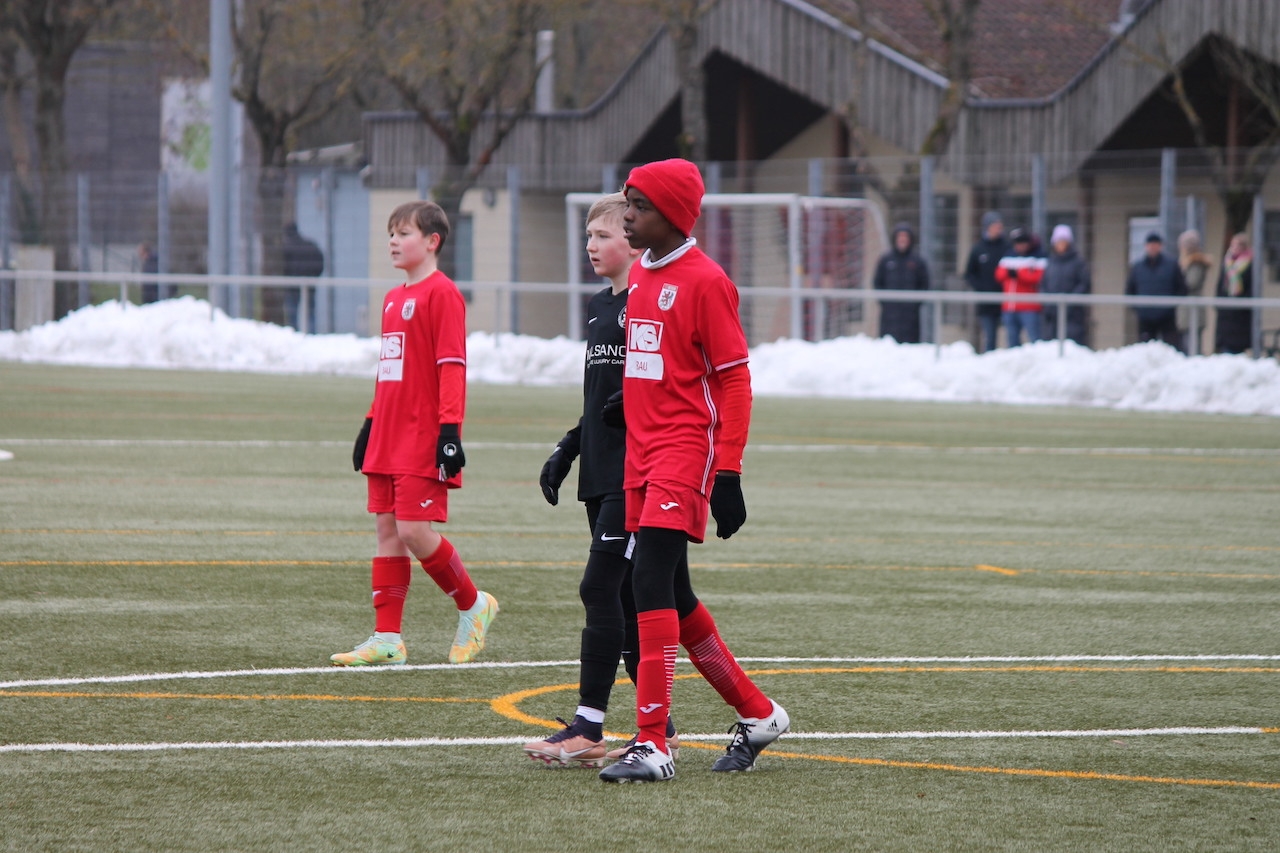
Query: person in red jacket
column 686, row 406
column 1021, row 273
column 410, row 448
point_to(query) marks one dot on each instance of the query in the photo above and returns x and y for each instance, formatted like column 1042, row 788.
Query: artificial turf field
column 995, row 628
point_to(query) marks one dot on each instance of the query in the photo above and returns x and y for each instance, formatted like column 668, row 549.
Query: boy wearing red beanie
column 687, row 392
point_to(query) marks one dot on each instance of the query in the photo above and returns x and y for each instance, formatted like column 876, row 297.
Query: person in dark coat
column 1067, row 272
column 1234, row 332
column 1156, row 274
column 901, row 268
column 149, row 262
column 980, row 274
column 302, row 258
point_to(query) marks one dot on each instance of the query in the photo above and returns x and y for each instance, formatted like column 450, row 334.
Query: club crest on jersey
column 667, row 297
column 622, row 318
column 406, row 310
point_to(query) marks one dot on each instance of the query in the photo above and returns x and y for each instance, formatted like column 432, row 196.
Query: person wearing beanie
column 685, row 405
column 1156, row 274
column 1021, row 272
column 980, row 274
column 901, row 268
column 1066, row 272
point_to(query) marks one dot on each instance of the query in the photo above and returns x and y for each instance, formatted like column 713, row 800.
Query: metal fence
column 763, row 309
column 513, row 231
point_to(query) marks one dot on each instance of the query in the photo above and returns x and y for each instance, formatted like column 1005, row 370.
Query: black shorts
column 607, row 517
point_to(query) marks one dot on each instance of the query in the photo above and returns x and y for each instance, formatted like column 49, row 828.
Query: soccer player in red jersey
column 687, row 398
column 410, row 447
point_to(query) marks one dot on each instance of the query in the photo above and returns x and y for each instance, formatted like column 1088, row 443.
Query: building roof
column 1023, row 48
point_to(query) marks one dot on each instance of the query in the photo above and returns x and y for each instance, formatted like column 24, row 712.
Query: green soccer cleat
column 473, row 625
column 372, row 652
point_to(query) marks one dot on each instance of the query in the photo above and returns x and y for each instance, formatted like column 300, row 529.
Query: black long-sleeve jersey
column 602, row 447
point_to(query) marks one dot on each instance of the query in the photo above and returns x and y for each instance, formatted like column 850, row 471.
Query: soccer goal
column 790, row 256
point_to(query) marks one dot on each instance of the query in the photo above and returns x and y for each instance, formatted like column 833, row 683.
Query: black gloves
column 611, row 414
column 449, row 455
column 727, row 506
column 557, row 467
column 362, row 442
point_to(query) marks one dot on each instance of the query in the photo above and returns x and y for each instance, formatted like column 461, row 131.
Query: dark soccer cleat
column 750, row 737
column 643, row 762
column 673, row 745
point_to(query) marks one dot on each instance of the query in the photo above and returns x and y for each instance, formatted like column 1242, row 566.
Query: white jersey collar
column 647, row 261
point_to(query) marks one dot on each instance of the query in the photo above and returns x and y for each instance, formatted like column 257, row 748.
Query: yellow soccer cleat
column 372, row 652
column 473, row 624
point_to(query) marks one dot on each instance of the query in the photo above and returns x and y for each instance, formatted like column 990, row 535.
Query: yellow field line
column 1027, row 771
column 507, row 706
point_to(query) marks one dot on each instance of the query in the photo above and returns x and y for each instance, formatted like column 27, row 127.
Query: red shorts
column 670, row 506
column 410, row 498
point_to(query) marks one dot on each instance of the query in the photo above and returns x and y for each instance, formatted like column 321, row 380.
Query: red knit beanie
column 675, row 188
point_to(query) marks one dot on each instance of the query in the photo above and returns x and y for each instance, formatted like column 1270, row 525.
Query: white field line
column 763, row 448
column 544, row 664
column 1176, row 731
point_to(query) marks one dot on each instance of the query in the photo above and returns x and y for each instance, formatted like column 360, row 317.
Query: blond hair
column 427, row 216
column 613, row 204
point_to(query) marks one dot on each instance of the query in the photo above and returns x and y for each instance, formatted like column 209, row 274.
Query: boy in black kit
column 606, row 582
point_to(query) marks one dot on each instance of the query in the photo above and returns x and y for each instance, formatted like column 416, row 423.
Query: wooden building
column 1069, row 109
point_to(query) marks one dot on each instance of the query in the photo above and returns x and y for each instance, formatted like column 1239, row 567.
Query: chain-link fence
column 515, row 244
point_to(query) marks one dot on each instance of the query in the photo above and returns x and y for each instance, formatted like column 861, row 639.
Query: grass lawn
column 995, row 628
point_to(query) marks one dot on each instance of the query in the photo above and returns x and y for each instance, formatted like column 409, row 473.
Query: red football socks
column 446, row 569
column 659, row 642
column 390, row 585
column 713, row 659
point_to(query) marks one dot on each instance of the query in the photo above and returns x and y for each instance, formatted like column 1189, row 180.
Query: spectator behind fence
column 1195, row 265
column 901, row 268
column 1066, row 272
column 1021, row 272
column 149, row 262
column 1234, row 332
column 1156, row 274
column 980, row 274
column 302, row 258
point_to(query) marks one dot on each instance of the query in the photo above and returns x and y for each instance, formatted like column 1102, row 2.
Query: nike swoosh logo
column 592, row 320
column 668, row 505
column 426, row 504
column 604, row 538
column 649, row 709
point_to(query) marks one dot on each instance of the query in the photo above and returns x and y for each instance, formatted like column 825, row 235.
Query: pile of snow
column 188, row 333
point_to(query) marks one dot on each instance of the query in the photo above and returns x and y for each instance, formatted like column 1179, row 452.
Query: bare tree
column 294, row 62
column 51, row 33
column 954, row 21
column 1240, row 162
column 466, row 67
column 1242, row 151
column 682, row 19
column 292, row 69
column 14, row 77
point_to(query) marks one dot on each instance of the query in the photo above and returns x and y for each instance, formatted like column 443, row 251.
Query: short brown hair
column 428, row 216
column 613, row 203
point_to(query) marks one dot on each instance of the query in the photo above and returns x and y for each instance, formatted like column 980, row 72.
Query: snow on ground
column 186, row 333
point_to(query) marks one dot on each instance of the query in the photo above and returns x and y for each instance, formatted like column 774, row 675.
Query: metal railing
column 218, row 287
